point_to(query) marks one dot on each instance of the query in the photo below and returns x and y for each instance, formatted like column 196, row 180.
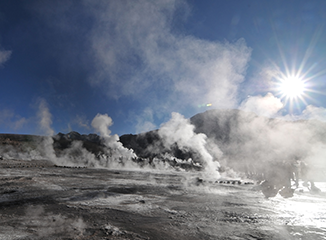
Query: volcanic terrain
column 74, row 186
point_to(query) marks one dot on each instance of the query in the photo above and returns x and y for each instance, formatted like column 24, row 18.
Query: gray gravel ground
column 41, row 201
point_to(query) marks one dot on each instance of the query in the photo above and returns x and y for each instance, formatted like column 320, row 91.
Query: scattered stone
column 112, row 230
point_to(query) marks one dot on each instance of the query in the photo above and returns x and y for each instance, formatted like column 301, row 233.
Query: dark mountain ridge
column 248, row 142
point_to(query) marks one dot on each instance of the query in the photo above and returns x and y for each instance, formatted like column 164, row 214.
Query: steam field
column 39, row 200
column 165, row 119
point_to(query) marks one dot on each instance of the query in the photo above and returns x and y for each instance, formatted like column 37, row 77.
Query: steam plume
column 45, row 118
column 115, row 150
column 179, row 130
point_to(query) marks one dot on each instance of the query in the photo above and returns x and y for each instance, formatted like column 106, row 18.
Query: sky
column 138, row 61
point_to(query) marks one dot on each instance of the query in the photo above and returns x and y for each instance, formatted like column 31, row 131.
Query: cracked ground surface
column 41, row 201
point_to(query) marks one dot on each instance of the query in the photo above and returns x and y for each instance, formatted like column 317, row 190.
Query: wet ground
column 41, row 201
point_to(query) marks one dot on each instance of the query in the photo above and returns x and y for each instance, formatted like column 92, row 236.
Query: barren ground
column 41, row 201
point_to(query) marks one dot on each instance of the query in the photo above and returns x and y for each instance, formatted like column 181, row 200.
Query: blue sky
column 139, row 61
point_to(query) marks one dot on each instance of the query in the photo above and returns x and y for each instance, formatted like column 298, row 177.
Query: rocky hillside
column 241, row 140
column 18, row 146
column 248, row 142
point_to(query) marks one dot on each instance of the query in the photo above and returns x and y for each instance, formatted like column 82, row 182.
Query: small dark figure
column 278, row 180
column 268, row 189
column 286, row 192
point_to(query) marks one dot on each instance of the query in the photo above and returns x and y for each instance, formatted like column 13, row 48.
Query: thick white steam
column 180, row 131
column 114, row 155
column 101, row 124
column 267, row 105
column 115, row 150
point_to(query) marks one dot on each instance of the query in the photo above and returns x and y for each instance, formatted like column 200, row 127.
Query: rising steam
column 113, row 155
column 180, row 131
column 115, row 151
column 45, row 120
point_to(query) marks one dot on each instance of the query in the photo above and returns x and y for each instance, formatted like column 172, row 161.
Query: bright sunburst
column 292, row 87
column 292, row 82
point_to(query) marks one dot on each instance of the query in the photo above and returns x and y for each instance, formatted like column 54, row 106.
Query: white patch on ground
column 130, row 202
column 46, row 185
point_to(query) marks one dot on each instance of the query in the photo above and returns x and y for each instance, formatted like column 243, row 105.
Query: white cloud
column 313, row 112
column 137, row 53
column 268, row 106
column 4, row 56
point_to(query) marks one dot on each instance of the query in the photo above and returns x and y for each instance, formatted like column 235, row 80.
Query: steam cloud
column 137, row 51
column 114, row 155
column 253, row 142
column 179, row 130
column 115, row 149
column 268, row 105
column 45, row 119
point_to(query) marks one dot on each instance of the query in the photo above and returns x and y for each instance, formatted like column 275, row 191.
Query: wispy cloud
column 145, row 121
column 138, row 52
column 81, row 121
column 11, row 121
column 135, row 49
column 4, row 56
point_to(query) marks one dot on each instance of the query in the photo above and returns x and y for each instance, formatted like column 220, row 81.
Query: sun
column 292, row 87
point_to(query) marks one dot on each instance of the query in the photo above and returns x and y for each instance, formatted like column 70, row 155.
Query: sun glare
column 292, row 87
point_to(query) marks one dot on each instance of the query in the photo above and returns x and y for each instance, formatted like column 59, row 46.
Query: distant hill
column 225, row 127
column 91, row 142
column 247, row 142
column 32, row 146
